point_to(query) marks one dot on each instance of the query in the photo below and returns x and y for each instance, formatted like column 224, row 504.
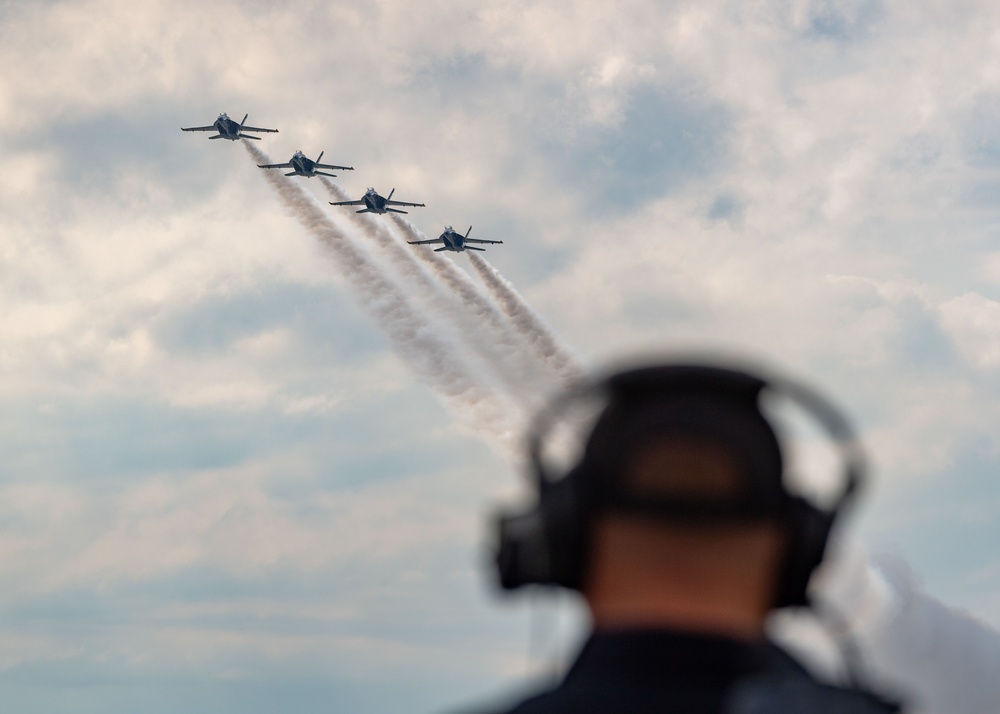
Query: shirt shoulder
column 791, row 690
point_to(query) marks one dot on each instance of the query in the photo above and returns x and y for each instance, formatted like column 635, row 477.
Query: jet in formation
column 229, row 129
column 373, row 203
column 301, row 165
column 454, row 241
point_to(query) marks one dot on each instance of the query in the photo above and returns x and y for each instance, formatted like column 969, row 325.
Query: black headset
column 548, row 544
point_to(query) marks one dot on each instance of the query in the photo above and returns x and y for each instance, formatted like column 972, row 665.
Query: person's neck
column 698, row 615
column 644, row 574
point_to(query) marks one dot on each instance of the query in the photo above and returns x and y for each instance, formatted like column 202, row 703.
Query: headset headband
column 700, row 379
column 548, row 543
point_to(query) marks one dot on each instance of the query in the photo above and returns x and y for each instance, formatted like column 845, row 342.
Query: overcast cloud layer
column 221, row 487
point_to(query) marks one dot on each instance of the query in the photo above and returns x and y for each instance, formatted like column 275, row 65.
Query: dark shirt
column 669, row 672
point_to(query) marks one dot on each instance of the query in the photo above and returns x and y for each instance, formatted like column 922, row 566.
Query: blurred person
column 677, row 525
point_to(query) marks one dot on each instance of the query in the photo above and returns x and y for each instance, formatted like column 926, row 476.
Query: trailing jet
column 454, row 241
column 229, row 129
column 373, row 203
column 303, row 166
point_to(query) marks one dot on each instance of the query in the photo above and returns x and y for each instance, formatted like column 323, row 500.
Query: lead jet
column 453, row 241
column 373, row 203
column 229, row 129
column 300, row 165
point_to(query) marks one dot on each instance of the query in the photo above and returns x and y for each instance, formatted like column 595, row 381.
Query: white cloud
column 824, row 201
column 991, row 267
column 973, row 322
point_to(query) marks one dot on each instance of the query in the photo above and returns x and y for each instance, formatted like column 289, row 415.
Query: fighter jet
column 373, row 203
column 302, row 166
column 454, row 241
column 228, row 129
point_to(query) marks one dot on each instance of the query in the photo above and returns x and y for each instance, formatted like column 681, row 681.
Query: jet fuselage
column 303, row 165
column 453, row 240
column 227, row 128
column 374, row 202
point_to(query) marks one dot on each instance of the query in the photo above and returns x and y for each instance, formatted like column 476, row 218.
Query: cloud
column 201, row 426
column 972, row 321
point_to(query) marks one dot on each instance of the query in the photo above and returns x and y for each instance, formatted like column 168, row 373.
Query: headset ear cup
column 808, row 533
column 546, row 545
column 521, row 555
column 565, row 531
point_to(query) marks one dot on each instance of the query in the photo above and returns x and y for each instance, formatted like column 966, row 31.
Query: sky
column 233, row 478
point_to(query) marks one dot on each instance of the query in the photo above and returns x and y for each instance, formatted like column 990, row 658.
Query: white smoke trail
column 937, row 659
column 479, row 323
column 527, row 322
column 455, row 278
column 414, row 263
column 414, row 271
column 529, row 378
column 413, row 336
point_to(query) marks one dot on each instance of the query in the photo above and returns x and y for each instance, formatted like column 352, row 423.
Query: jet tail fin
column 249, row 136
column 320, row 157
column 244, row 118
column 394, row 210
column 389, row 197
column 323, row 173
column 472, row 247
column 438, row 250
column 217, row 136
column 365, row 210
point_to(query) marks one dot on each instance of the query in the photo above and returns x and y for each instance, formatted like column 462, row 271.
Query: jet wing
column 473, row 240
column 257, row 128
column 199, row 128
column 359, row 202
column 276, row 166
column 402, row 203
column 331, row 166
column 425, row 242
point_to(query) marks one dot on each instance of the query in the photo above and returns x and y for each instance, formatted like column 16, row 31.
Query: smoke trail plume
column 412, row 271
column 527, row 322
column 415, row 338
column 529, row 378
column 455, row 278
column 910, row 646
column 479, row 323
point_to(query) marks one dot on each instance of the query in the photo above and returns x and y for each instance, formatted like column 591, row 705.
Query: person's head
column 677, row 512
column 683, row 487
